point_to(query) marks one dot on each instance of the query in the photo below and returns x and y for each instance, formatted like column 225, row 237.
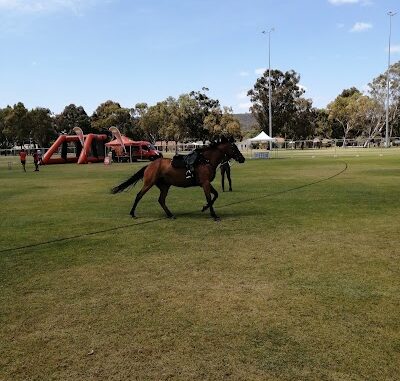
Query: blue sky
column 57, row 52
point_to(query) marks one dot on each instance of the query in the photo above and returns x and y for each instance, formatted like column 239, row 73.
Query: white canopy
column 262, row 137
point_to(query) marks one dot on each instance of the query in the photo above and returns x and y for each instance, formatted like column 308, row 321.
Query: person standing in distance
column 226, row 169
column 22, row 157
column 36, row 161
column 39, row 156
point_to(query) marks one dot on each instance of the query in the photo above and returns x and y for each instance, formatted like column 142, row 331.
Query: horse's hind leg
column 139, row 196
column 215, row 193
column 149, row 179
column 207, row 187
column 163, row 195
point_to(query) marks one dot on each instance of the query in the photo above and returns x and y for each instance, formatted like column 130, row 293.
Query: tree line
column 191, row 116
column 195, row 116
column 352, row 114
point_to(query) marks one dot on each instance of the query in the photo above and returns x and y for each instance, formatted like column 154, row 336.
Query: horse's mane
column 213, row 145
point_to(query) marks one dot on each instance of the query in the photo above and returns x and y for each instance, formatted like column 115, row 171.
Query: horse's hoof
column 172, row 217
column 217, row 219
column 204, row 208
column 133, row 216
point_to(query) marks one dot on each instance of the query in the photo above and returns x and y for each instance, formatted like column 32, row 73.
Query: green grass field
column 299, row 280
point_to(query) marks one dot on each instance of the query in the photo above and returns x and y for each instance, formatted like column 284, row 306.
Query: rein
column 225, row 158
column 224, row 161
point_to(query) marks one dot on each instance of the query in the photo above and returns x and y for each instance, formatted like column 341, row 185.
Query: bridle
column 236, row 153
column 226, row 158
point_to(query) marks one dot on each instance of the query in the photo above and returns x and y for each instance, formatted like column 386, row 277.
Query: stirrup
column 188, row 174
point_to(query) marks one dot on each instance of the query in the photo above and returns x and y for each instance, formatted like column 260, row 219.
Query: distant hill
column 247, row 121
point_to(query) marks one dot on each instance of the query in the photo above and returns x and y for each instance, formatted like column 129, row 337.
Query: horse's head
column 229, row 148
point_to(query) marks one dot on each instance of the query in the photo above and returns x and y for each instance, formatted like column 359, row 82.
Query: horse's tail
column 131, row 181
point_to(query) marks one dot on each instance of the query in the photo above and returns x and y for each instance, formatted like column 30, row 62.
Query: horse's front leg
column 215, row 193
column 207, row 191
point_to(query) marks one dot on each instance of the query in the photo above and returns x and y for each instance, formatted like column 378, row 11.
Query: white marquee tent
column 262, row 137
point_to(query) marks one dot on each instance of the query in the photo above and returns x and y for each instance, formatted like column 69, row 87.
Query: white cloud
column 36, row 6
column 260, row 71
column 244, row 106
column 360, row 27
column 244, row 73
column 365, row 88
column 301, row 87
column 341, row 2
column 394, row 49
column 242, row 95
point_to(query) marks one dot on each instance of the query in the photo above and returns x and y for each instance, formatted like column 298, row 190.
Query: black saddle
column 178, row 161
column 188, row 161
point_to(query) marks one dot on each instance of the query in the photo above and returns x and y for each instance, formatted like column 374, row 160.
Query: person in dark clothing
column 190, row 161
column 226, row 169
column 36, row 161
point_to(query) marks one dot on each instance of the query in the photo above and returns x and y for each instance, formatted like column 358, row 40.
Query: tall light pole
column 269, row 86
column 387, row 139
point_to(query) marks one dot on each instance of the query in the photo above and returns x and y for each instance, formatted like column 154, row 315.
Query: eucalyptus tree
column 182, row 119
column 4, row 142
column 175, row 126
column 303, row 122
column 212, row 122
column 286, row 94
column 72, row 116
column 323, row 126
column 17, row 124
column 369, row 117
column 222, row 123
column 110, row 114
column 344, row 110
column 42, row 126
column 378, row 92
column 196, row 106
column 165, row 121
column 155, row 118
column 137, row 113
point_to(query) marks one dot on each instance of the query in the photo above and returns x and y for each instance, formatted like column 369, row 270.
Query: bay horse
column 161, row 173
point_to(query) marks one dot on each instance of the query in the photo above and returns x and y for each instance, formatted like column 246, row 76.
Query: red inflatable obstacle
column 93, row 150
